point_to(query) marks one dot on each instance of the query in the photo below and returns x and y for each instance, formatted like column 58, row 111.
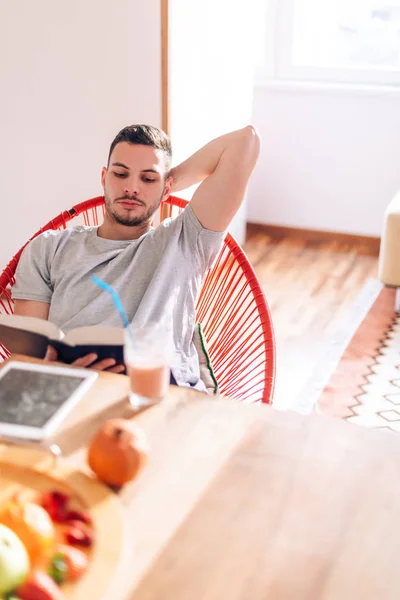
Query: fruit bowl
column 86, row 496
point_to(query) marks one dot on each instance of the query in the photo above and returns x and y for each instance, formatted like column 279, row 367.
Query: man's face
column 134, row 183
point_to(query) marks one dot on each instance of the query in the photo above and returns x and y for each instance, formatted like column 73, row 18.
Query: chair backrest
column 232, row 309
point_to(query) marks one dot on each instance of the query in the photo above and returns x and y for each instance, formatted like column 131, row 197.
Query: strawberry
column 78, row 534
column 56, row 504
column 40, row 586
column 78, row 515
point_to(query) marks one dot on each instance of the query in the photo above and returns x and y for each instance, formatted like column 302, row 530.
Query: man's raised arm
column 224, row 166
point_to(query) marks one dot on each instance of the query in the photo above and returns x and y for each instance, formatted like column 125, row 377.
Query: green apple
column 14, row 561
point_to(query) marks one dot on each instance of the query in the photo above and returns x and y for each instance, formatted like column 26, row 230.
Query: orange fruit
column 118, row 452
column 32, row 524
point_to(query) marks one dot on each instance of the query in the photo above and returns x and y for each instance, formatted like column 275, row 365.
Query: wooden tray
column 103, row 505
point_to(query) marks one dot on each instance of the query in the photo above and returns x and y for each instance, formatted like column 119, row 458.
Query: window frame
column 282, row 13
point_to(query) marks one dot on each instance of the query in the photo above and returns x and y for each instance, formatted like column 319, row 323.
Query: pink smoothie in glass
column 149, row 382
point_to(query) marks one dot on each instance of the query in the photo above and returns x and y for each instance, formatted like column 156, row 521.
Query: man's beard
column 131, row 221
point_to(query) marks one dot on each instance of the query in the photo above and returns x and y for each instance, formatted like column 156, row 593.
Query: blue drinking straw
column 116, row 299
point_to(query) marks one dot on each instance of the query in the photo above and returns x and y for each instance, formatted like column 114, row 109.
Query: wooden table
column 242, row 502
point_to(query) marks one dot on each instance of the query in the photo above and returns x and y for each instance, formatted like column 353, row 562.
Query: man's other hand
column 107, row 364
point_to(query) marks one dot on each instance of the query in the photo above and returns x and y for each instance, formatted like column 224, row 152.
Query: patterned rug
column 365, row 387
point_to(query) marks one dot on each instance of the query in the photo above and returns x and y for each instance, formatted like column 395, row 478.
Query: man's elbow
column 252, row 132
column 251, row 140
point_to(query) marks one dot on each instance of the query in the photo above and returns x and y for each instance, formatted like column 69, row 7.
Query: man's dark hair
column 145, row 135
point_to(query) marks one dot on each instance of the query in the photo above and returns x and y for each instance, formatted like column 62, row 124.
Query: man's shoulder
column 187, row 220
column 71, row 231
column 49, row 241
column 176, row 222
column 55, row 235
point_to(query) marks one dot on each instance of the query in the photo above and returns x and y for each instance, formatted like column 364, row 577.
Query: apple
column 14, row 561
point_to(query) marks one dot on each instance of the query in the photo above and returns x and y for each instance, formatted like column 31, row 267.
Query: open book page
column 96, row 335
column 33, row 324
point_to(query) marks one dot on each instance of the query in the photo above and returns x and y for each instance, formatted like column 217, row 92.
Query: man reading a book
column 156, row 271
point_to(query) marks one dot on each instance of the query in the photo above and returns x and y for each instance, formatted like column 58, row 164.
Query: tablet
column 35, row 398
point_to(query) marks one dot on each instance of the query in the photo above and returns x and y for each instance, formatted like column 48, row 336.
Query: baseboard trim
column 371, row 244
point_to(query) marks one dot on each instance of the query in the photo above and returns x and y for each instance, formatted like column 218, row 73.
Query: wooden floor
column 309, row 286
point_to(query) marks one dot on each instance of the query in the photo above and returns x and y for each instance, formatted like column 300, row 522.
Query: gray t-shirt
column 157, row 276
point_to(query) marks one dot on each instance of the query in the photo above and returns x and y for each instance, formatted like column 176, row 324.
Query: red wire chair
column 232, row 309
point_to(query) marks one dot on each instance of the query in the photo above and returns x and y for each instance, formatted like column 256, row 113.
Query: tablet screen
column 31, row 398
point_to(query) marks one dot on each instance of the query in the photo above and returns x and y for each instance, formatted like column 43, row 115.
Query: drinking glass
column 146, row 356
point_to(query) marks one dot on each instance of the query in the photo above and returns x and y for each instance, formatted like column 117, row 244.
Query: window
column 354, row 41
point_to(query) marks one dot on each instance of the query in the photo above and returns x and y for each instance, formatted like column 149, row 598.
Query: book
column 31, row 336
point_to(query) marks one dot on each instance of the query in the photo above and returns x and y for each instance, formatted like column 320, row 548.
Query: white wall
column 212, row 63
column 329, row 161
column 72, row 73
